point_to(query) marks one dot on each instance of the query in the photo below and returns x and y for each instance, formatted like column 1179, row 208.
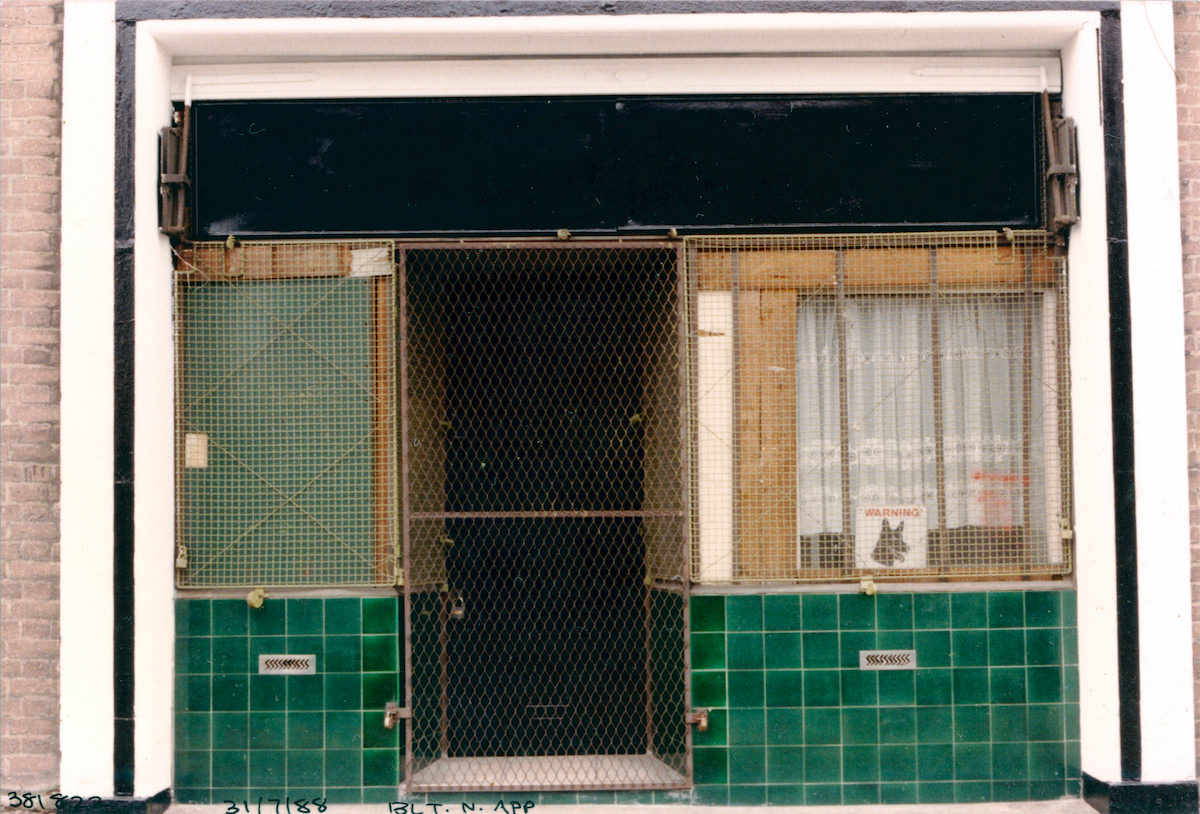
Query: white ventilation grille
column 887, row 659
column 284, row 665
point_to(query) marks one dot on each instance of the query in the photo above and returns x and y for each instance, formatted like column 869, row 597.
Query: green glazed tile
column 1009, row 723
column 708, row 650
column 973, row 761
column 343, row 691
column 1043, row 609
column 968, row 610
column 1008, row 685
column 747, row 764
column 849, row 644
column 305, row 767
column 783, row 651
column 856, row 612
column 1069, row 600
column 935, row 792
column 192, row 768
column 1070, row 688
column 380, row 768
column 267, row 730
column 230, row 617
column 785, row 726
column 860, row 726
column 268, row 693
column 784, row 688
column 1006, row 647
column 822, row 726
column 934, row 687
column 266, row 645
column 717, row 795
column 343, row 730
column 1044, row 684
column 860, row 794
column 819, row 611
column 379, row 688
column 230, row 730
column 379, row 654
column 183, row 616
column 823, row 794
column 634, row 798
column 596, row 798
column 971, row 685
column 781, row 612
column 972, row 792
column 1073, row 759
column 785, row 765
column 860, row 688
column 270, row 619
column 196, row 616
column 558, row 798
column 1048, row 790
column 741, row 796
column 746, row 686
column 304, row 793
column 820, row 650
column 894, row 640
column 744, row 651
column 743, row 613
column 707, row 614
column 972, row 724
column 860, row 764
column 343, row 654
column 1006, row 609
column 790, row 794
column 1071, row 724
column 195, row 796
column 822, row 688
column 305, row 617
column 192, row 730
column 344, row 796
column 933, row 648
column 897, row 793
column 895, row 611
column 970, row 648
column 231, row 654
column 343, row 615
column 305, row 730
column 1044, row 646
column 305, row 692
column 197, row 658
column 376, row 735
column 822, row 764
column 897, row 687
column 717, row 733
column 708, row 689
column 1047, row 761
column 379, row 794
column 268, row 768
column 935, row 725
column 308, row 646
column 935, row 762
column 1070, row 646
column 1010, row 761
column 931, row 611
column 897, row 725
column 1010, row 790
column 229, row 767
column 747, row 727
column 710, row 765
column 897, row 763
column 230, row 693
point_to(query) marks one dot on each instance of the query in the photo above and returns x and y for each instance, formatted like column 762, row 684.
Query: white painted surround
column 848, row 52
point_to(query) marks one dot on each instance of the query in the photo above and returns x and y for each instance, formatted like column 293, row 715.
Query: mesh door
column 880, row 406
column 544, row 522
column 285, row 416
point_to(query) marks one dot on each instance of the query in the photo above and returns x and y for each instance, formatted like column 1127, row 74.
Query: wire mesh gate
column 543, row 523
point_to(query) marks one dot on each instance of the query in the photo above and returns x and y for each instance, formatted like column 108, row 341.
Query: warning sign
column 891, row 537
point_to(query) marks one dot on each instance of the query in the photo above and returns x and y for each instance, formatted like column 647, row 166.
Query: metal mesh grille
column 544, row 525
column 879, row 406
column 285, row 414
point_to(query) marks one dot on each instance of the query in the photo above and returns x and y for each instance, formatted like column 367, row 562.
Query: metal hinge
column 1062, row 169
column 697, row 718
column 173, row 181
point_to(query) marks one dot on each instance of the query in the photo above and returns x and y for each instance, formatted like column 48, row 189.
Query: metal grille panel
column 879, row 406
column 285, row 414
column 542, row 415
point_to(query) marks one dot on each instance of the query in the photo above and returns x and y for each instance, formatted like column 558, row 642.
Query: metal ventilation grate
column 879, row 406
column 281, row 665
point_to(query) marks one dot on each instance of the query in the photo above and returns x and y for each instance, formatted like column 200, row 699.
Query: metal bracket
column 173, row 181
column 393, row 714
column 697, row 718
column 1062, row 170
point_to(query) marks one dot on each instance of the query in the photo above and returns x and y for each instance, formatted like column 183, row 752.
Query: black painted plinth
column 119, row 805
column 1132, row 797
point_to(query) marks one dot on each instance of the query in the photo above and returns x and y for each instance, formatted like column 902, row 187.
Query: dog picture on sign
column 890, row 537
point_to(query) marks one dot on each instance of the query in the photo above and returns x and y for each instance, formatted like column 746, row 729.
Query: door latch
column 697, row 718
column 393, row 714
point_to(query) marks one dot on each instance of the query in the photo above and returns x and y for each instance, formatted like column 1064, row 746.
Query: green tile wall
column 990, row 713
column 240, row 735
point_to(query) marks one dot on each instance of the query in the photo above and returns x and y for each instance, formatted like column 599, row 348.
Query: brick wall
column 1187, row 69
column 30, row 214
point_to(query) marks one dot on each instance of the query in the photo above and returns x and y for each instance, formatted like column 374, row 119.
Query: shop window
column 882, row 407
